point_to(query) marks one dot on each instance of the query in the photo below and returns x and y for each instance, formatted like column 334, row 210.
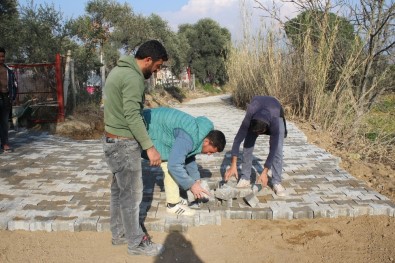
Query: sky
column 175, row 12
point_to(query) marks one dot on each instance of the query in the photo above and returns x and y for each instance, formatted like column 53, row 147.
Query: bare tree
column 374, row 20
column 374, row 25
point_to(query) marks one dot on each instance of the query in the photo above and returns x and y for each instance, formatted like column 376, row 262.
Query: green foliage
column 176, row 93
column 95, row 29
column 314, row 23
column 174, row 46
column 8, row 7
column 131, row 32
column 380, row 119
column 107, row 29
column 42, row 34
column 312, row 27
column 8, row 23
column 209, row 48
column 208, row 87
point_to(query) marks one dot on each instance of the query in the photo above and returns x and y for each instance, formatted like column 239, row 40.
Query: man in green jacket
column 179, row 137
column 125, row 138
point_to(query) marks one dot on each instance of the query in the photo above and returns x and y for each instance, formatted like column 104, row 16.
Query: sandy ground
column 361, row 239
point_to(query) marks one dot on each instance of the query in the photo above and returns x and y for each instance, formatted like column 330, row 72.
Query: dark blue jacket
column 269, row 110
column 12, row 84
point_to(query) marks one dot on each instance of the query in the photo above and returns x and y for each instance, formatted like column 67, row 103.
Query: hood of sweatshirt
column 130, row 62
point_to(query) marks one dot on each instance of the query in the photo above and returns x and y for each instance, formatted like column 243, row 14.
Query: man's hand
column 198, row 191
column 153, row 156
column 263, row 179
column 231, row 171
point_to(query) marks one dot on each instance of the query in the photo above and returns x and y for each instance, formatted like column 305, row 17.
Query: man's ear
column 206, row 141
column 147, row 61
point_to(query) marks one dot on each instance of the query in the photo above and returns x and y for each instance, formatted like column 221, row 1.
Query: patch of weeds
column 380, row 120
column 176, row 93
column 211, row 88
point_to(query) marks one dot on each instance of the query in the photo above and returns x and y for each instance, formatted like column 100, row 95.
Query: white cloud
column 226, row 12
column 208, row 6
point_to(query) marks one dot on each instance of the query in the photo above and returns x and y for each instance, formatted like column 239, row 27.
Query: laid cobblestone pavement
column 52, row 183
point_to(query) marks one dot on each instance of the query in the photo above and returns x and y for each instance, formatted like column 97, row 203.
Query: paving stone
column 282, row 212
column 302, row 212
column 4, row 222
column 46, row 185
column 103, row 224
column 324, row 210
column 209, row 218
column 18, row 225
column 175, row 225
column 362, row 209
column 86, row 224
column 155, row 224
column 252, row 200
column 262, row 213
column 382, row 209
column 41, row 225
column 241, row 213
column 64, row 224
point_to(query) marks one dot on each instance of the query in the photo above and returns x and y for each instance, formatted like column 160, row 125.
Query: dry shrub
column 266, row 64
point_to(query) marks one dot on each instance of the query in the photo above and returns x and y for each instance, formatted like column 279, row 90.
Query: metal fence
column 40, row 95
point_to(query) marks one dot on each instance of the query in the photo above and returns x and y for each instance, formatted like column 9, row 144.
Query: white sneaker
column 180, row 209
column 243, row 183
column 183, row 202
column 279, row 190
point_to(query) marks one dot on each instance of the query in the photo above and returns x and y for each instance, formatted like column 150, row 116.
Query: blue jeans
column 5, row 108
column 248, row 157
column 124, row 160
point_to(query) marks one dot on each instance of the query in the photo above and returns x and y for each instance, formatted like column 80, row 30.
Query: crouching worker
column 179, row 137
column 264, row 115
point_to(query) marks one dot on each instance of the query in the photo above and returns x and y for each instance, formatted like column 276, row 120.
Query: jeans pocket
column 114, row 157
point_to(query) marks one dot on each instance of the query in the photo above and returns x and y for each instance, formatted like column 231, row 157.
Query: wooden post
column 59, row 88
column 192, row 85
column 73, row 88
column 66, row 77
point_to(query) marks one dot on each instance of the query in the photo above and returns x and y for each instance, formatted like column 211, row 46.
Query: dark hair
column 153, row 49
column 258, row 126
column 217, row 139
column 2, row 50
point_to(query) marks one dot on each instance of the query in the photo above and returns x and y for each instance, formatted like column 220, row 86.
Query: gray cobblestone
column 41, row 225
column 18, row 225
column 302, row 212
column 46, row 185
column 103, row 224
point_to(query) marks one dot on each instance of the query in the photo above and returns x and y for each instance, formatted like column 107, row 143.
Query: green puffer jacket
column 161, row 123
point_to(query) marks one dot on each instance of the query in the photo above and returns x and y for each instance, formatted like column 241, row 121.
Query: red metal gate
column 40, row 89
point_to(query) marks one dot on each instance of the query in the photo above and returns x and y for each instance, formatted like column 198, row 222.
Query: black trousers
column 5, row 113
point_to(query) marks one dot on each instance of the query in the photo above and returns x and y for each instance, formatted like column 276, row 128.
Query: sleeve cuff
column 146, row 144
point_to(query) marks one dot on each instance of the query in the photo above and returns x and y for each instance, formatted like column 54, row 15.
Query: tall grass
column 266, row 64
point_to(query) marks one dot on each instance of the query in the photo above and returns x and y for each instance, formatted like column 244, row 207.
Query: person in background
column 264, row 115
column 124, row 139
column 8, row 89
column 179, row 137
